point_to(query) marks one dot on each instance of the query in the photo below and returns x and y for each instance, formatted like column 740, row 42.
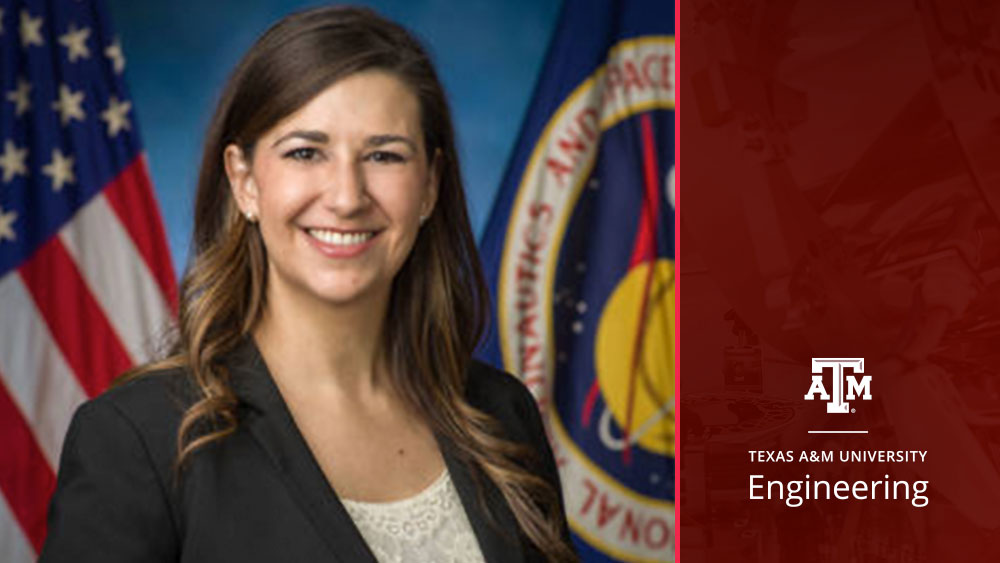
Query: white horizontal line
column 838, row 431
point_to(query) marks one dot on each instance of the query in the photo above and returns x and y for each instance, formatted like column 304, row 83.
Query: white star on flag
column 7, row 225
column 114, row 52
column 75, row 41
column 60, row 170
column 21, row 97
column 31, row 30
column 69, row 105
column 116, row 117
column 12, row 161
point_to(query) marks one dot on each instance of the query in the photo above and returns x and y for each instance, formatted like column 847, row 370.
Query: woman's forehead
column 372, row 102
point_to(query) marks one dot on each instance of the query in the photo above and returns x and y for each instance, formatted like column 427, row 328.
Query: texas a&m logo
column 845, row 387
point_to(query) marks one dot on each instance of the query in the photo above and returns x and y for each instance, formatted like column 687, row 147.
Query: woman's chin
column 341, row 294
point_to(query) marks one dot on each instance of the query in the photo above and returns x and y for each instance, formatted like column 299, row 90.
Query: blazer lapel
column 498, row 538
column 271, row 424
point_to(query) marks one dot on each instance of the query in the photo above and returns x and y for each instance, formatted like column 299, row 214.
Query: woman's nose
column 346, row 192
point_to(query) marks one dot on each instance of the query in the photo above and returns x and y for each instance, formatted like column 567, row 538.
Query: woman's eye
column 385, row 157
column 303, row 154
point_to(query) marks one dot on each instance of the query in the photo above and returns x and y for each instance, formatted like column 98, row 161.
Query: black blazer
column 256, row 495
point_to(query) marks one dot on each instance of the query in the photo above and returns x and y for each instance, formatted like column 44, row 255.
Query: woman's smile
column 341, row 244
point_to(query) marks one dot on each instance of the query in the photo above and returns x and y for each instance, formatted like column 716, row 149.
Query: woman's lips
column 341, row 244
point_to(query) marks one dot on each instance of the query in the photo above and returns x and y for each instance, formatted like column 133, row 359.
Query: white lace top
column 430, row 527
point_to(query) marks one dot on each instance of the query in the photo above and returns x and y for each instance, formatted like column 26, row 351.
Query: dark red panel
column 840, row 171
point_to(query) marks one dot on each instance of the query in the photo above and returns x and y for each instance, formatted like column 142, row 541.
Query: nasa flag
column 579, row 251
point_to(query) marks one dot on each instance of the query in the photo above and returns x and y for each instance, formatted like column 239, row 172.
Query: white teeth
column 340, row 239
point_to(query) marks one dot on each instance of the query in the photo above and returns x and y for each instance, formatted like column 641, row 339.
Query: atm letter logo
column 844, row 387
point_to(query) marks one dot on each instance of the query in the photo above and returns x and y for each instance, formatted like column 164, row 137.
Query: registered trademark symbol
column 854, row 410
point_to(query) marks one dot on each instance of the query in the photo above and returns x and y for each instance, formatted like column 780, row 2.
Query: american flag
column 85, row 275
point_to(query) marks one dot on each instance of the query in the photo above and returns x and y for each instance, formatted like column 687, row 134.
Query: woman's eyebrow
column 314, row 136
column 379, row 140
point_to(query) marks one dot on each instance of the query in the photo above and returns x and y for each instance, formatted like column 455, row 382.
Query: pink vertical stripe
column 677, row 283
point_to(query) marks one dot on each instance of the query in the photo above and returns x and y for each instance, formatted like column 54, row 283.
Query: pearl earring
column 249, row 216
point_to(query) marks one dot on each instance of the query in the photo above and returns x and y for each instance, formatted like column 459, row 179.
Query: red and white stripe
column 87, row 305
column 15, row 545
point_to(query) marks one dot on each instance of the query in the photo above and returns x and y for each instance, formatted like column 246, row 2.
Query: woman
column 321, row 402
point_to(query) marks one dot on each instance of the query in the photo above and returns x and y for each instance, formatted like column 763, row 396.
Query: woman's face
column 339, row 189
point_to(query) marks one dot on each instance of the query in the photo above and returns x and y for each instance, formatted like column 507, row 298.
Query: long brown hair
column 439, row 297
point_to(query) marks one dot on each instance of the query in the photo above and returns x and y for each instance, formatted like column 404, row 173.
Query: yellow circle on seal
column 650, row 389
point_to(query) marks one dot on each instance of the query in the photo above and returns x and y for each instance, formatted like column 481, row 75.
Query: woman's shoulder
column 499, row 394
column 157, row 395
column 132, row 426
column 508, row 400
column 145, row 409
column 487, row 383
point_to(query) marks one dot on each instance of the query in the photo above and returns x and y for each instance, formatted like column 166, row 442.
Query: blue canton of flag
column 85, row 275
column 579, row 251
